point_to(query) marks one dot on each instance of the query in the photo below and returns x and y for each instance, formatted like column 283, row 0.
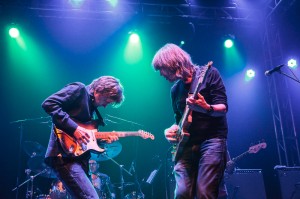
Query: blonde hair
column 172, row 59
column 110, row 87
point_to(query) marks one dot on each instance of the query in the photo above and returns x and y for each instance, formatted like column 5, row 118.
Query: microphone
column 277, row 68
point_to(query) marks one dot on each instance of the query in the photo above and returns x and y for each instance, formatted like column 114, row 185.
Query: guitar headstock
column 209, row 64
column 257, row 147
column 145, row 134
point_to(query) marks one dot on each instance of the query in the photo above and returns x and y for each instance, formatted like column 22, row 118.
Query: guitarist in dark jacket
column 202, row 136
column 74, row 103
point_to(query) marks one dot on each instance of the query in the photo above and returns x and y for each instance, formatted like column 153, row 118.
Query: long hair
column 110, row 87
column 172, row 59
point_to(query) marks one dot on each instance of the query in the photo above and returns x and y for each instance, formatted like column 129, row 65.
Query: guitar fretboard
column 102, row 135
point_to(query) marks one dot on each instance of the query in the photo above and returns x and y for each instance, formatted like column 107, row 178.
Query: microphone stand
column 121, row 175
column 21, row 122
column 132, row 167
column 31, row 178
column 27, row 171
column 121, row 182
column 289, row 76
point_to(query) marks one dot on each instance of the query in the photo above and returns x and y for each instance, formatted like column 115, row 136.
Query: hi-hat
column 111, row 150
column 37, row 165
column 34, row 149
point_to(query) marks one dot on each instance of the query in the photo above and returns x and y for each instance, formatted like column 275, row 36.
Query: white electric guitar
column 72, row 147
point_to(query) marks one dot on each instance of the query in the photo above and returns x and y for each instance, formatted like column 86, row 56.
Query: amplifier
column 289, row 181
column 245, row 184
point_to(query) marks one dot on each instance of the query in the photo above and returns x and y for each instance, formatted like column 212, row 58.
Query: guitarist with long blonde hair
column 199, row 135
column 76, row 103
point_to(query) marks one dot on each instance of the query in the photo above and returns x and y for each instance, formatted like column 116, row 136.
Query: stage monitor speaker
column 289, row 181
column 245, row 184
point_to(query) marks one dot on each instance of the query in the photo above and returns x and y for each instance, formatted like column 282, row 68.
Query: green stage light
column 134, row 38
column 133, row 49
column 228, row 43
column 14, row 32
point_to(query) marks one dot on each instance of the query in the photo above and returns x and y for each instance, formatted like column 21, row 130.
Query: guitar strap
column 100, row 119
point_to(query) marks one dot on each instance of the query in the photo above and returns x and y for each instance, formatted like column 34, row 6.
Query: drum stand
column 21, row 122
column 29, row 194
column 121, row 176
column 140, row 194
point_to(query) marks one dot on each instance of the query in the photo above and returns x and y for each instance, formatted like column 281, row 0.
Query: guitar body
column 178, row 148
column 73, row 148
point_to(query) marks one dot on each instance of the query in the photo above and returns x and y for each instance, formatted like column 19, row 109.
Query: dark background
column 62, row 49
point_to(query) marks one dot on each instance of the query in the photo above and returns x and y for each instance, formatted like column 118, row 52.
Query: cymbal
column 34, row 149
column 37, row 165
column 111, row 150
column 125, row 184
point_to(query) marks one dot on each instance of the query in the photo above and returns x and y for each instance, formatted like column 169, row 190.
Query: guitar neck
column 101, row 135
column 240, row 156
column 187, row 110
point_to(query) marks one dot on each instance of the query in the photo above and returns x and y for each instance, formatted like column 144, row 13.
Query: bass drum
column 134, row 195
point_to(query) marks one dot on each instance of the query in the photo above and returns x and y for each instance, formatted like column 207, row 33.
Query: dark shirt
column 73, row 102
column 102, row 185
column 203, row 125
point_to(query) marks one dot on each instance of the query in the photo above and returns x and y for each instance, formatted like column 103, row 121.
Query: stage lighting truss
column 153, row 10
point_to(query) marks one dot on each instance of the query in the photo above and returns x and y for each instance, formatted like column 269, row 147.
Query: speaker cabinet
column 245, row 184
column 289, row 181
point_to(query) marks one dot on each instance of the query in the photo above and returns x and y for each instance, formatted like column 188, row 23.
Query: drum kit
column 36, row 165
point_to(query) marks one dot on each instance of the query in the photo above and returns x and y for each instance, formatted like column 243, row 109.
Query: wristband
column 211, row 109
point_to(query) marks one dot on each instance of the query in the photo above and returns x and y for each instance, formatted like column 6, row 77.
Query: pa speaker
column 245, row 184
column 289, row 181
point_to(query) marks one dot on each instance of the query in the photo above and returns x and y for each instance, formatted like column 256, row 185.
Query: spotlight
column 134, row 37
column 250, row 74
column 229, row 41
column 182, row 43
column 292, row 63
column 14, row 32
column 133, row 50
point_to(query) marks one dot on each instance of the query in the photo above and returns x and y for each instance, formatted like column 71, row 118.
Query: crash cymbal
column 34, row 149
column 37, row 165
column 111, row 150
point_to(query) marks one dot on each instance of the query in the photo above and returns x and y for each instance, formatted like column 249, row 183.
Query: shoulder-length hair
column 172, row 58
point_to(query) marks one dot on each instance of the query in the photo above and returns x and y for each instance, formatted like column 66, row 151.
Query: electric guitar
column 73, row 148
column 253, row 149
column 182, row 135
